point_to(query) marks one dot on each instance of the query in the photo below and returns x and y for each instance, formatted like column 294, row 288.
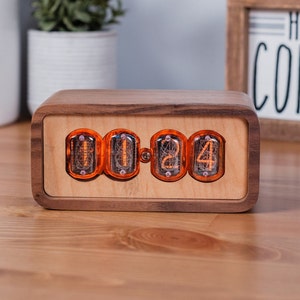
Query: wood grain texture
column 140, row 255
column 146, row 112
column 237, row 59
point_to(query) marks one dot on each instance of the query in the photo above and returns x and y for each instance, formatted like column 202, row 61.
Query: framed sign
column 263, row 60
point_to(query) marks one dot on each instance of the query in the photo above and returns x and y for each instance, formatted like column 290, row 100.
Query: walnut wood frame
column 237, row 59
column 88, row 104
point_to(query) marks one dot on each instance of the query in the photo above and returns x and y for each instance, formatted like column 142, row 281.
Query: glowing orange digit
column 207, row 158
column 168, row 162
column 170, row 157
column 207, row 155
column 122, row 154
column 84, row 154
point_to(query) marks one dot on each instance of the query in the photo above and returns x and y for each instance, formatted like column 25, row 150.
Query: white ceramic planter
column 9, row 62
column 69, row 60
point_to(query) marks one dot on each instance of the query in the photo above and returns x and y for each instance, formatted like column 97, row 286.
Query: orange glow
column 122, row 154
column 168, row 162
column 171, row 155
column 84, row 154
column 209, row 160
column 206, row 156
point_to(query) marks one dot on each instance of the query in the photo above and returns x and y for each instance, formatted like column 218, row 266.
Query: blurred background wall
column 163, row 44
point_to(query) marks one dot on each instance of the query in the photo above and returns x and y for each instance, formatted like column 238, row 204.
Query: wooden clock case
column 146, row 112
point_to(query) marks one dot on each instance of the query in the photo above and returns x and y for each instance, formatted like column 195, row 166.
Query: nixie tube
column 84, row 154
column 122, row 154
column 169, row 155
column 207, row 155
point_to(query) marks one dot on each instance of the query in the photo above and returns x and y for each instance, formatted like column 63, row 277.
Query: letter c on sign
column 258, row 107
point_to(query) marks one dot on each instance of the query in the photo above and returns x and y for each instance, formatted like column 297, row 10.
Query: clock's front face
column 166, row 157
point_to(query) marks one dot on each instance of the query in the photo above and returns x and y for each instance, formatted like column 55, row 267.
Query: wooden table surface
column 114, row 255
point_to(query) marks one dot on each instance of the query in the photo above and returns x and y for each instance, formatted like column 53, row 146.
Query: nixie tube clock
column 118, row 150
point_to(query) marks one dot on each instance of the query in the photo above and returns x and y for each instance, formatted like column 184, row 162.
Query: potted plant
column 73, row 47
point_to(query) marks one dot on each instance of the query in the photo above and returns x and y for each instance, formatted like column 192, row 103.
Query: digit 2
column 169, row 155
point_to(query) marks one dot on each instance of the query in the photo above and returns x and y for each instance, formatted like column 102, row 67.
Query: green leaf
column 82, row 16
column 68, row 24
column 47, row 25
column 54, row 6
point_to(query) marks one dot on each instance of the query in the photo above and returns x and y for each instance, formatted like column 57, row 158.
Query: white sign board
column 274, row 63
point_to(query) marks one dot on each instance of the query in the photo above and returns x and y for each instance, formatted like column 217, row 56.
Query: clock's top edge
column 148, row 97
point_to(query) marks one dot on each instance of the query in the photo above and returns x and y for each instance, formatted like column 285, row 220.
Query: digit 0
column 207, row 155
column 169, row 155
